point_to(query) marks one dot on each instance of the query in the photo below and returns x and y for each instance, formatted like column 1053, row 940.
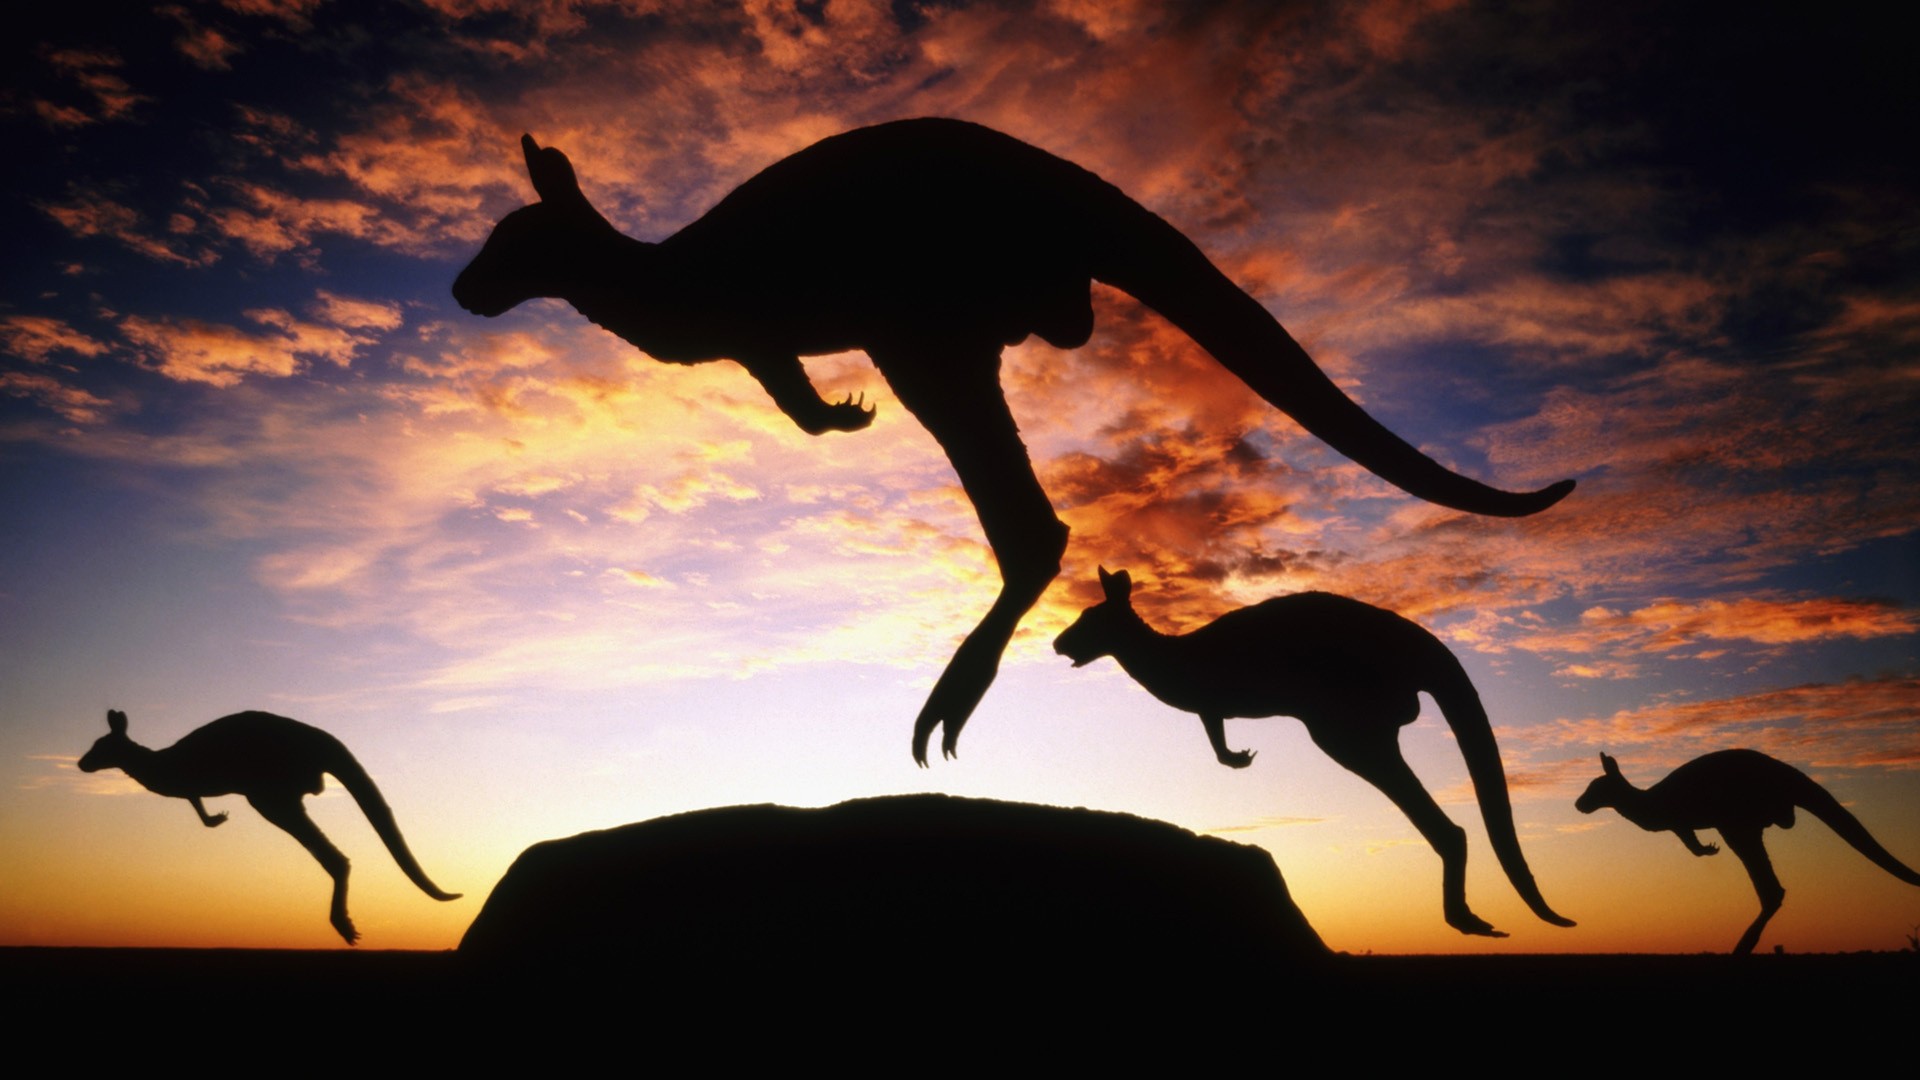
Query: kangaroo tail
column 1815, row 800
column 1161, row 268
column 1460, row 704
column 358, row 784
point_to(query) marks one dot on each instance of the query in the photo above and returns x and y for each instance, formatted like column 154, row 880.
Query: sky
column 254, row 457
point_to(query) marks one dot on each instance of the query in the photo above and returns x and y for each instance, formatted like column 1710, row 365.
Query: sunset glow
column 255, row 457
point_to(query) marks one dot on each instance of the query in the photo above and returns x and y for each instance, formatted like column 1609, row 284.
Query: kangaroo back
column 342, row 765
column 1460, row 703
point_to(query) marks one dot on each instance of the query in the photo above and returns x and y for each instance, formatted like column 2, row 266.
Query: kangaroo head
column 108, row 750
column 538, row 249
column 1094, row 634
column 1606, row 788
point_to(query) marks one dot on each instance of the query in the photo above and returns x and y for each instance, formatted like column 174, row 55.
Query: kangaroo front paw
column 1237, row 759
column 852, row 414
column 217, row 819
column 345, row 926
column 1708, row 849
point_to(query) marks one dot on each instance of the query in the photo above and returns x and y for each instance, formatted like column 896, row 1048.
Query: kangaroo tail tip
column 1553, row 493
column 1535, row 501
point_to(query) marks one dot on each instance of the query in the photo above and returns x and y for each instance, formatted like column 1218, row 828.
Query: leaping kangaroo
column 1353, row 674
column 930, row 244
column 1738, row 793
column 274, row 762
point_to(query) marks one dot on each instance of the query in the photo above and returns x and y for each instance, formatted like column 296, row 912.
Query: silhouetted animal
column 1353, row 674
column 1739, row 793
column 273, row 761
column 930, row 244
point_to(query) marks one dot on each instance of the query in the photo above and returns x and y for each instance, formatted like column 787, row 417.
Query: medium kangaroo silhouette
column 273, row 761
column 1738, row 793
column 930, row 244
column 1353, row 674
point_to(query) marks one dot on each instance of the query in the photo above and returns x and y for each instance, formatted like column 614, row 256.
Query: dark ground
column 434, row 1008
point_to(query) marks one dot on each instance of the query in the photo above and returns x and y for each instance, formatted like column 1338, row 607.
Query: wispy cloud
column 70, row 402
column 40, row 338
column 96, row 74
column 190, row 350
column 1260, row 824
column 91, row 213
column 1859, row 723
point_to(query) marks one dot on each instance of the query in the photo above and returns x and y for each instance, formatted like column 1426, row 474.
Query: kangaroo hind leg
column 290, row 814
column 1747, row 843
column 954, row 391
column 1372, row 752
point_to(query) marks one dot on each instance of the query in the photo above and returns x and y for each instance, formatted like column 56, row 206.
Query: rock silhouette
column 930, row 244
column 1353, row 674
column 1738, row 793
column 1007, row 887
column 275, row 762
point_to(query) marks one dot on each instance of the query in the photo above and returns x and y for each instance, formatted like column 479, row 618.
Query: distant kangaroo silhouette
column 930, row 244
column 1738, row 793
column 1353, row 674
column 273, row 761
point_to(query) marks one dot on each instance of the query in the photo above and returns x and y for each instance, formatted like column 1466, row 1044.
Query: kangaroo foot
column 1467, row 922
column 957, row 693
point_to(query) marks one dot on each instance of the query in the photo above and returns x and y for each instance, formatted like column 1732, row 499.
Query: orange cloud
column 1670, row 625
column 191, row 350
column 205, row 46
column 70, row 402
column 39, row 337
column 94, row 71
column 276, row 223
column 93, row 214
column 1859, row 723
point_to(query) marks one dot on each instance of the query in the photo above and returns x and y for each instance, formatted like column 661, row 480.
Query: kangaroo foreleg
column 1693, row 843
column 955, row 393
column 786, row 382
column 1217, row 735
column 209, row 820
column 1752, row 850
column 290, row 814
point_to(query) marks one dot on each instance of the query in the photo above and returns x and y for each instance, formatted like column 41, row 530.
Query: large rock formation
column 914, row 887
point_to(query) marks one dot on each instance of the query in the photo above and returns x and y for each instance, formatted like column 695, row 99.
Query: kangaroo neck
column 147, row 766
column 1643, row 808
column 621, row 285
column 1147, row 655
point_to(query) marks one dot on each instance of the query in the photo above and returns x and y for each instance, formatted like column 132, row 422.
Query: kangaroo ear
column 1609, row 766
column 1118, row 587
column 550, row 171
column 116, row 721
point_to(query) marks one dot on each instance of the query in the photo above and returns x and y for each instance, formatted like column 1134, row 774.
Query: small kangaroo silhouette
column 1738, row 793
column 1353, row 674
column 930, row 244
column 273, row 761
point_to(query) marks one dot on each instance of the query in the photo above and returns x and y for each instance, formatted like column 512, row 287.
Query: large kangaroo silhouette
column 1738, row 793
column 1353, row 674
column 275, row 762
column 930, row 244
